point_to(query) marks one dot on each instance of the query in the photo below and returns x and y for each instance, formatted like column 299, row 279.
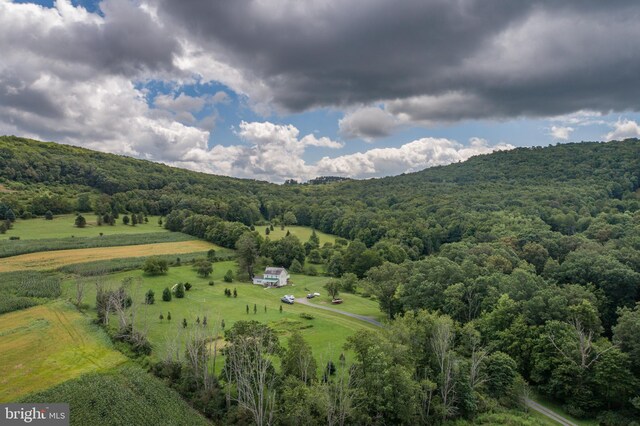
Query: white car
column 316, row 294
column 288, row 298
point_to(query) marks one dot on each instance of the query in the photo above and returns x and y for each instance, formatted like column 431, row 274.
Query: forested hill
column 31, row 161
column 532, row 254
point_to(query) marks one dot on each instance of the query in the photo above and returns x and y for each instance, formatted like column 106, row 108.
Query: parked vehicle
column 336, row 301
column 288, row 298
column 316, row 294
column 310, row 296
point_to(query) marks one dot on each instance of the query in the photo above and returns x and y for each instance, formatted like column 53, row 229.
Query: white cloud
column 410, row 157
column 180, row 103
column 367, row 123
column 324, row 142
column 561, row 132
column 623, row 129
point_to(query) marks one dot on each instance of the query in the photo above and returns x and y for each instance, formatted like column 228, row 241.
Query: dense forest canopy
column 532, row 255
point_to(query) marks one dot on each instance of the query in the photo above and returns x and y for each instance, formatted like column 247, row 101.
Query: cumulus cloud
column 623, row 129
column 410, row 157
column 367, row 123
column 561, row 132
column 68, row 75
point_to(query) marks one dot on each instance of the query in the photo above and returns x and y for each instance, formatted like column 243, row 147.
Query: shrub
column 187, row 286
column 210, row 283
column 228, row 277
column 166, row 297
column 14, row 238
column 80, row 222
column 306, row 316
column 179, row 291
column 155, row 266
column 296, row 267
column 203, row 268
column 149, row 298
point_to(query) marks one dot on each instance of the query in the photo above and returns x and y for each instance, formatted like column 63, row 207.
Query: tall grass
column 13, row 248
column 23, row 289
column 103, row 267
column 124, row 396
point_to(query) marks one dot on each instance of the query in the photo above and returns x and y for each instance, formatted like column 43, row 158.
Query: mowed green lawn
column 46, row 345
column 63, row 226
column 304, row 284
column 326, row 332
column 302, row 232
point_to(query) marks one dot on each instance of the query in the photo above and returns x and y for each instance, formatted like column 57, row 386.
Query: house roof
column 274, row 271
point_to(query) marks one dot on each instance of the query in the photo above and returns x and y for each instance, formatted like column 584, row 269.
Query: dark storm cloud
column 438, row 59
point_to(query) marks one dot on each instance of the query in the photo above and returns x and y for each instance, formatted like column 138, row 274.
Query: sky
column 288, row 89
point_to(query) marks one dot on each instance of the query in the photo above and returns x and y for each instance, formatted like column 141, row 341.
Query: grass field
column 55, row 259
column 302, row 232
column 17, row 247
column 122, row 396
column 304, row 284
column 47, row 345
column 63, row 227
column 326, row 332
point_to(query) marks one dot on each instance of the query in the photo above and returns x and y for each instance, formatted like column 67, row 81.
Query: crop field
column 17, row 247
column 326, row 332
column 48, row 344
column 302, row 232
column 62, row 226
column 55, row 259
column 102, row 267
column 123, row 396
column 24, row 289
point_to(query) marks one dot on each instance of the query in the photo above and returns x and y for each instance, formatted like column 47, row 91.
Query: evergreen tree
column 166, row 294
column 179, row 291
column 10, row 215
column 149, row 298
column 80, row 221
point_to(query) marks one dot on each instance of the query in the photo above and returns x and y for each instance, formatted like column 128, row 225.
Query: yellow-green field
column 49, row 344
column 63, row 227
column 302, row 232
column 54, row 259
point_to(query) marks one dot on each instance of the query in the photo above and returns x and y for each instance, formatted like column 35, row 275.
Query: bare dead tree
column 472, row 298
column 428, row 388
column 338, row 398
column 250, row 368
column 441, row 343
column 477, row 376
column 80, row 291
column 201, row 352
column 585, row 354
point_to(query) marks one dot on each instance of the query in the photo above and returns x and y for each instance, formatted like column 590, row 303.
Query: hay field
column 55, row 259
column 49, row 344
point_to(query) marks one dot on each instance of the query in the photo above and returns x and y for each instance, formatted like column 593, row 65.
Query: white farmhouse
column 273, row 277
